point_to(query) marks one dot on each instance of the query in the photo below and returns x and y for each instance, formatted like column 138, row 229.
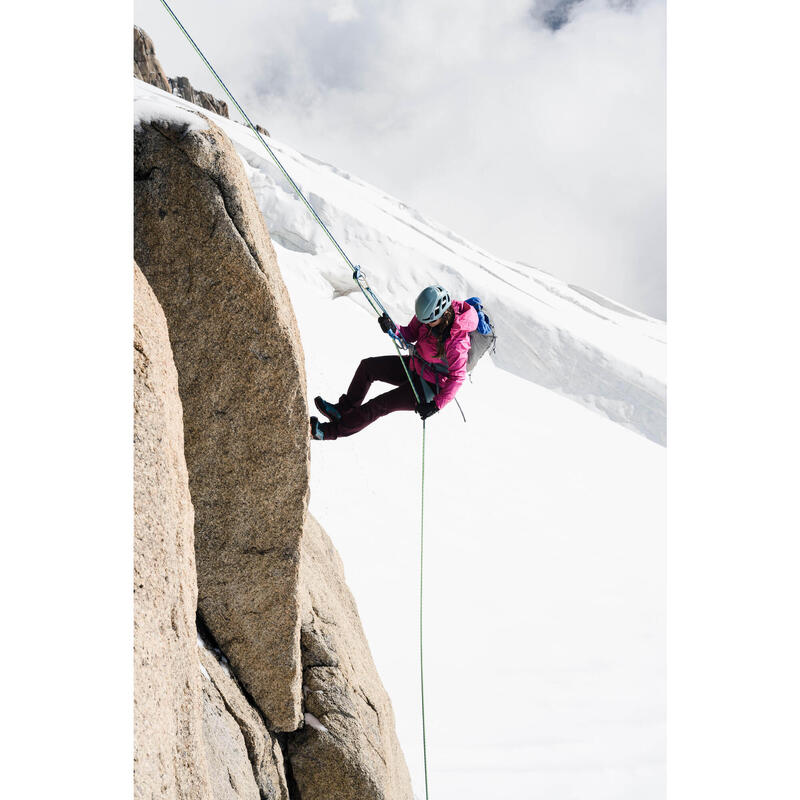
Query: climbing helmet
column 432, row 303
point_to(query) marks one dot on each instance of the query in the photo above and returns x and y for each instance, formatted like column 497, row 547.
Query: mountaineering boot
column 316, row 429
column 327, row 409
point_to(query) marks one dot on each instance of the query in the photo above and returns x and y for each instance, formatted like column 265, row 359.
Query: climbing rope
column 358, row 275
column 421, row 561
column 377, row 306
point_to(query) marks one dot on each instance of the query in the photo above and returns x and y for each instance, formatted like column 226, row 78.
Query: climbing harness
column 377, row 306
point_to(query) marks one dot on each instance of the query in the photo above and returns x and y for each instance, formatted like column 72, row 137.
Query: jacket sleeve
column 410, row 332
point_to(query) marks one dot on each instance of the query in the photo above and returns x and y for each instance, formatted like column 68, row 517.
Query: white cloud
column 546, row 146
column 343, row 11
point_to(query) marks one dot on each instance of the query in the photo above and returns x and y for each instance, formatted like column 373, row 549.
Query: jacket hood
column 466, row 318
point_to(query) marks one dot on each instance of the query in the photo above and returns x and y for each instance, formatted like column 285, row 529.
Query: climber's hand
column 426, row 410
column 386, row 324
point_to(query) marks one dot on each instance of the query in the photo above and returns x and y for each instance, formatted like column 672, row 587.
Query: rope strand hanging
column 421, row 563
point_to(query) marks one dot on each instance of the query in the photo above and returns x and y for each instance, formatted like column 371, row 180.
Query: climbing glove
column 386, row 324
column 426, row 410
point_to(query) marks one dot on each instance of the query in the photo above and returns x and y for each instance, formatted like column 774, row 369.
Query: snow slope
column 573, row 341
column 545, row 521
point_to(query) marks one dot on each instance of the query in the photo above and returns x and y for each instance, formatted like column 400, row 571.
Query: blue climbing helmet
column 432, row 303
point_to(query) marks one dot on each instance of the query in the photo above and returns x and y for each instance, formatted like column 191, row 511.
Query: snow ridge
column 572, row 341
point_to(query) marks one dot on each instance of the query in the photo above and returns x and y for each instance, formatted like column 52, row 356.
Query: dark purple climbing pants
column 356, row 414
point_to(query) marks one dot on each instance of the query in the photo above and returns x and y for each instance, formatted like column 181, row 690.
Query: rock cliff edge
column 279, row 696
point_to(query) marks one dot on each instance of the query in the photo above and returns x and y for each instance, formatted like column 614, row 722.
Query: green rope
column 255, row 131
column 357, row 274
column 421, row 558
column 378, row 308
column 408, row 375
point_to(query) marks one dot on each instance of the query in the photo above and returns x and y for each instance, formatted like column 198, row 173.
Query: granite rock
column 146, row 67
column 201, row 241
column 348, row 749
column 168, row 743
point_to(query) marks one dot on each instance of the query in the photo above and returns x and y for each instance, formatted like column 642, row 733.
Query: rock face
column 358, row 755
column 195, row 734
column 201, row 242
column 146, row 66
column 168, row 745
column 228, row 766
column 183, row 88
column 241, row 738
column 289, row 705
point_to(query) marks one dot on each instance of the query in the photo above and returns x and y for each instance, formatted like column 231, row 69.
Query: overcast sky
column 534, row 128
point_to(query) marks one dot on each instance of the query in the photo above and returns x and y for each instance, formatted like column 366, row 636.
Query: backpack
column 482, row 338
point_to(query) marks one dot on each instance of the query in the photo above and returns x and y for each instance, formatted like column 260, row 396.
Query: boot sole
column 318, row 402
column 312, row 422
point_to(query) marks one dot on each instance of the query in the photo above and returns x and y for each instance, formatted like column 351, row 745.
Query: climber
column 439, row 332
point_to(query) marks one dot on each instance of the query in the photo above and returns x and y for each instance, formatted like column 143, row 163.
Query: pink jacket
column 456, row 350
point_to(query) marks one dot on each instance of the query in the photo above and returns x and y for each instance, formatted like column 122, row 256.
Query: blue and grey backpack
column 482, row 338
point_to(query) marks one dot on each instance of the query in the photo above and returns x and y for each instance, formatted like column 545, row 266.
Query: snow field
column 544, row 567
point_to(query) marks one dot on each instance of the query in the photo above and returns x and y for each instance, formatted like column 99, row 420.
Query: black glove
column 386, row 324
column 426, row 410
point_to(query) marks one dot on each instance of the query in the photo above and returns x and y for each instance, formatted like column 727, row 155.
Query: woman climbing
column 438, row 365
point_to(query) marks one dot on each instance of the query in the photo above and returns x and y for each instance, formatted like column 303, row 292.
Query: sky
column 534, row 128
